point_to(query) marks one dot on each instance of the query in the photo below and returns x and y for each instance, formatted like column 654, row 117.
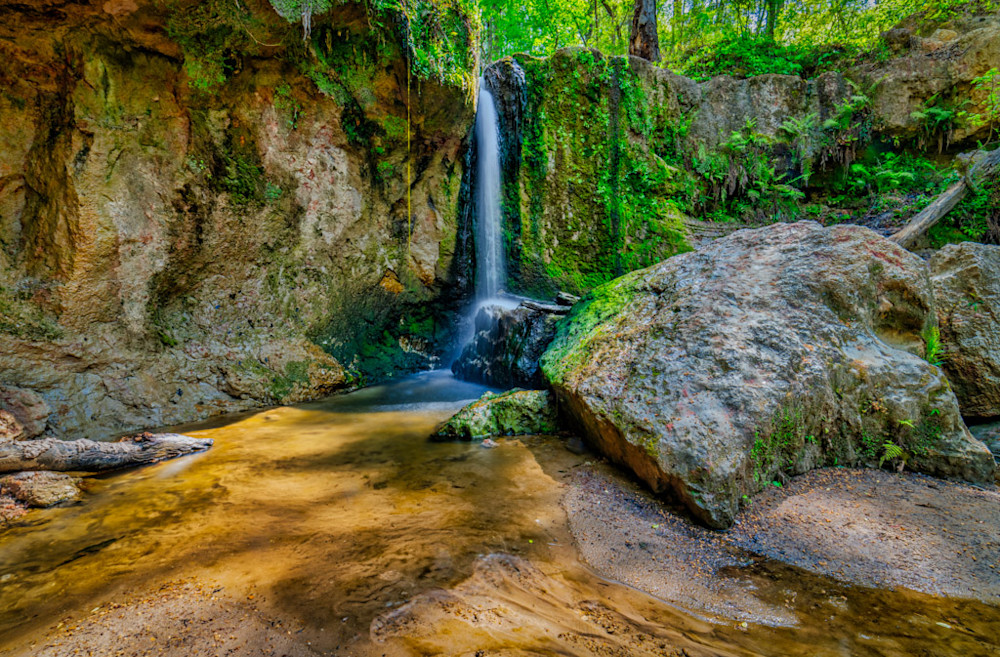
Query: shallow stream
column 334, row 512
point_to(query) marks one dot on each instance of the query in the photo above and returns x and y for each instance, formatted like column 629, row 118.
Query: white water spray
column 490, row 269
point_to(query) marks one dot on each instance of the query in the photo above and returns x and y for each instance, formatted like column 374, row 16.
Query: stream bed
column 314, row 521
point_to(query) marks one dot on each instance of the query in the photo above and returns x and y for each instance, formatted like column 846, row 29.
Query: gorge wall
column 200, row 214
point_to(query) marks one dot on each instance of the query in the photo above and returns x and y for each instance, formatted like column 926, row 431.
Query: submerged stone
column 766, row 353
column 40, row 489
column 512, row 413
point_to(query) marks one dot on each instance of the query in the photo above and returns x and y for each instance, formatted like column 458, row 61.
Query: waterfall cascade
column 490, row 269
column 491, row 272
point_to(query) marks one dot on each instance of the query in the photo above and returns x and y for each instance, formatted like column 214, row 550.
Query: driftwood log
column 983, row 168
column 93, row 456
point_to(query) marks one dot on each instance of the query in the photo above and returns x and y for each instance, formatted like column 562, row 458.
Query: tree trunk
column 984, row 168
column 93, row 456
column 643, row 40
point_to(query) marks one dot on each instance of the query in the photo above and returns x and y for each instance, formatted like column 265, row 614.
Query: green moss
column 593, row 199
column 23, row 319
column 296, row 373
column 776, row 446
column 570, row 349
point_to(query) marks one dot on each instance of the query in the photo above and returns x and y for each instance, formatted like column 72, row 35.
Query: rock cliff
column 200, row 213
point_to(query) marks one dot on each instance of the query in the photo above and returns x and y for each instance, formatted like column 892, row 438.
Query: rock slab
column 767, row 353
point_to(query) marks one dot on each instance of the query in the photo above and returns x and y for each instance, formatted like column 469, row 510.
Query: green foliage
column 776, row 446
column 213, row 35
column 287, row 104
column 743, row 57
column 742, row 181
column 976, row 218
column 987, row 86
column 891, row 451
column 933, row 352
column 936, row 124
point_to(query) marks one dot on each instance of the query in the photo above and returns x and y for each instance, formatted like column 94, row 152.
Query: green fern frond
column 890, row 451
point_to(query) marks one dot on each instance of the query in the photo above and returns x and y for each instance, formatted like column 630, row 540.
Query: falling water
column 490, row 271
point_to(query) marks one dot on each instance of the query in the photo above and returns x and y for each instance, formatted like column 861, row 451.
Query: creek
column 334, row 512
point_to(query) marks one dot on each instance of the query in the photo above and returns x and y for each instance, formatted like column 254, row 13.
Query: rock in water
column 767, row 352
column 966, row 280
column 40, row 489
column 513, row 413
column 508, row 345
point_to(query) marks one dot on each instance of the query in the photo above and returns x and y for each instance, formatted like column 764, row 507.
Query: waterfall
column 490, row 270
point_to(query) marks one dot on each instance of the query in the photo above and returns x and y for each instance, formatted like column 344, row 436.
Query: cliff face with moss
column 612, row 164
column 200, row 212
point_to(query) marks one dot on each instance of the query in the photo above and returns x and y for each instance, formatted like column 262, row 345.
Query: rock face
column 767, row 352
column 966, row 280
column 936, row 59
column 507, row 345
column 27, row 408
column 10, row 428
column 513, row 413
column 192, row 223
column 40, row 489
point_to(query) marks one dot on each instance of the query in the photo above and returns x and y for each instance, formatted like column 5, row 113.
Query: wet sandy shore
column 863, row 527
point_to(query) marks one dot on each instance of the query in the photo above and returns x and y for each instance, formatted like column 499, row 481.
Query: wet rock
column 989, row 435
column 766, row 353
column 507, row 344
column 966, row 279
column 40, row 489
column 512, row 413
column 566, row 299
column 28, row 407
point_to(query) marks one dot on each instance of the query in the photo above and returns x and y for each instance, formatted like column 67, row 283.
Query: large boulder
column 966, row 280
column 513, row 413
column 768, row 352
column 507, row 345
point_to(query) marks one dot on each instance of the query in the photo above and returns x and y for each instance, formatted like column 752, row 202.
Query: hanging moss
column 593, row 194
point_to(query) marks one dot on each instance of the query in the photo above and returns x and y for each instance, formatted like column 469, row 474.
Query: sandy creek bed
column 335, row 528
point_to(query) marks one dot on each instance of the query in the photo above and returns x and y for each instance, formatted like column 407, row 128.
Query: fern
column 890, row 451
column 933, row 352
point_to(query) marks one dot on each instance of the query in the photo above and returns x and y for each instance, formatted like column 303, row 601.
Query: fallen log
column 984, row 167
column 94, row 456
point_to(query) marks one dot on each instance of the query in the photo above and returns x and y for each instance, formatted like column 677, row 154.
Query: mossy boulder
column 512, row 413
column 764, row 354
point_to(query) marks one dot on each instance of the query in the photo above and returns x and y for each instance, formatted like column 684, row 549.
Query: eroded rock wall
column 200, row 214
